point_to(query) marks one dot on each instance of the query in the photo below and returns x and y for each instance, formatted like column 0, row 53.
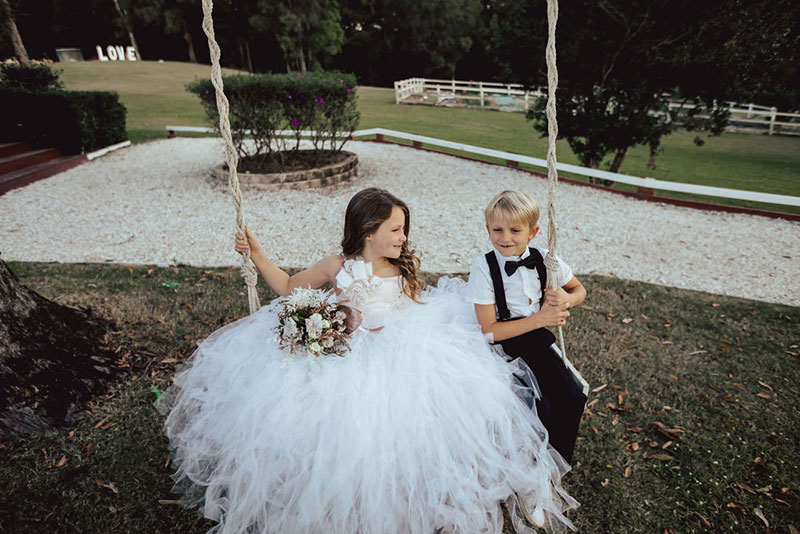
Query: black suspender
column 497, row 281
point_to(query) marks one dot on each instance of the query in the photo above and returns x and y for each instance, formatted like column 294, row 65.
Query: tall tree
column 305, row 29
column 127, row 24
column 174, row 17
column 13, row 33
column 620, row 62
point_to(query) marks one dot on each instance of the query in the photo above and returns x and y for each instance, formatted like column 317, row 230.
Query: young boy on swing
column 514, row 306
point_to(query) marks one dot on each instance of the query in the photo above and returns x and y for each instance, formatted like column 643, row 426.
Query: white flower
column 326, row 324
column 314, row 347
column 327, row 343
column 289, row 329
column 314, row 325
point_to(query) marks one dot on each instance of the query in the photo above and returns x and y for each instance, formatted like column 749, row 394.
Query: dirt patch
column 290, row 161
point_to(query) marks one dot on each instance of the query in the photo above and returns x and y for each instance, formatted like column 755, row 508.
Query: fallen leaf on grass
column 168, row 501
column 594, row 429
column 759, row 514
column 628, row 472
column 627, row 320
column 599, row 388
column 705, row 521
column 671, row 433
column 764, row 396
column 746, row 488
column 109, row 485
column 89, row 449
column 62, row 462
column 604, row 483
column 660, row 457
column 632, row 447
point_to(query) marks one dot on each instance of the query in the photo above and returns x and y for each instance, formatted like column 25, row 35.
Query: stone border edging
column 332, row 174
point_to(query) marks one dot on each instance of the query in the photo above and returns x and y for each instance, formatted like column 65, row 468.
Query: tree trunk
column 619, row 157
column 52, row 360
column 126, row 23
column 13, row 33
column 244, row 54
column 187, row 37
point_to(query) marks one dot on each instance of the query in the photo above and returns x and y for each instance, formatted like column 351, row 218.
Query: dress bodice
column 377, row 298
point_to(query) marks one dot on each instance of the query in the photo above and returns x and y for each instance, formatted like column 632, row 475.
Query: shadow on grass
column 691, row 426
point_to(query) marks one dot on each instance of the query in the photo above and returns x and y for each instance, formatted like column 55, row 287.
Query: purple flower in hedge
column 206, row 91
column 341, row 80
column 299, row 75
column 295, row 122
column 318, row 100
column 289, row 97
column 349, row 89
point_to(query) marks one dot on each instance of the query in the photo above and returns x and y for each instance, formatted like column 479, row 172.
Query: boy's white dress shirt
column 523, row 289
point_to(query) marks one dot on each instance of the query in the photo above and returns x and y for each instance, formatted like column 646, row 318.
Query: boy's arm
column 502, row 330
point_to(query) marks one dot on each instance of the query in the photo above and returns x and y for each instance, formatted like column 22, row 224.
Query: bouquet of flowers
column 312, row 325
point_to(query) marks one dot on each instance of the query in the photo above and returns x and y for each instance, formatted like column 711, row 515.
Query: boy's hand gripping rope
column 248, row 269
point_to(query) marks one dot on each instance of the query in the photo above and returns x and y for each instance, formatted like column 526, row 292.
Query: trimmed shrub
column 73, row 121
column 35, row 78
column 261, row 105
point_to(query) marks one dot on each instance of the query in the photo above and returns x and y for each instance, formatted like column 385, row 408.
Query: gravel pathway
column 156, row 203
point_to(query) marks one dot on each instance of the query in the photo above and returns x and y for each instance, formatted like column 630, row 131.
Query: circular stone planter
column 306, row 179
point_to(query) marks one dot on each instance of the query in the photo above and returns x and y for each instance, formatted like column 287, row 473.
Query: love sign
column 116, row 53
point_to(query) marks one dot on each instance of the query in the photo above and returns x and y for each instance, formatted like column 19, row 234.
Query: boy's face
column 510, row 238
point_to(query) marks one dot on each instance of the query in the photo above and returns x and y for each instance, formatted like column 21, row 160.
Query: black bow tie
column 512, row 266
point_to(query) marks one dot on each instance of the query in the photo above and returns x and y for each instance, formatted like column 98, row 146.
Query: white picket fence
column 644, row 184
column 747, row 118
column 479, row 92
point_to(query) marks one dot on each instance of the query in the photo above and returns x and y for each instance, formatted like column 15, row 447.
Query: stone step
column 22, row 177
column 27, row 159
column 14, row 147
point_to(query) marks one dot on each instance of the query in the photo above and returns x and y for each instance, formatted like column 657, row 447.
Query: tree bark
column 13, row 32
column 126, row 23
column 53, row 359
column 187, row 37
column 619, row 157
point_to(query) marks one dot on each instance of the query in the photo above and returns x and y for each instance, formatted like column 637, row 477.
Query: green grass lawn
column 720, row 374
column 155, row 97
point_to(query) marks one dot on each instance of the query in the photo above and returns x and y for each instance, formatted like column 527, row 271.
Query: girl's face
column 387, row 241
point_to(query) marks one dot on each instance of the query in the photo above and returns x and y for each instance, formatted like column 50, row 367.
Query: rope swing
column 248, row 270
column 550, row 260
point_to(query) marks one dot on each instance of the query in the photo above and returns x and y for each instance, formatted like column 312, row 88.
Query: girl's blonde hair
column 366, row 211
column 513, row 206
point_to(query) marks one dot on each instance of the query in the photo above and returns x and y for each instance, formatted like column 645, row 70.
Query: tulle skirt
column 417, row 428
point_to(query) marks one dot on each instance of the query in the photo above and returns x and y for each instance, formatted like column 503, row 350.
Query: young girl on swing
column 415, row 430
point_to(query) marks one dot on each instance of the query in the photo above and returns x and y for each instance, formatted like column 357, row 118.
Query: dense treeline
column 753, row 43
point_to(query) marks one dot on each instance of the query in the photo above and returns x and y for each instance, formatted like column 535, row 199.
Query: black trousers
column 562, row 402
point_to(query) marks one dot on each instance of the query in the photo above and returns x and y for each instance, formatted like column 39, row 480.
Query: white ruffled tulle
column 415, row 429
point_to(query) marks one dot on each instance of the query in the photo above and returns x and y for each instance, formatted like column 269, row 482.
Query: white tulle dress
column 417, row 428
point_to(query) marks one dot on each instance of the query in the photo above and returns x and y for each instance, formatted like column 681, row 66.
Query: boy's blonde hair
column 513, row 206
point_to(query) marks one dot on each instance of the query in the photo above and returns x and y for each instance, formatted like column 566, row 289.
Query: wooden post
column 480, row 84
column 396, row 92
column 773, row 113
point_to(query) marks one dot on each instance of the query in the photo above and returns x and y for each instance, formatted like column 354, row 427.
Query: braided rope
column 248, row 270
column 550, row 260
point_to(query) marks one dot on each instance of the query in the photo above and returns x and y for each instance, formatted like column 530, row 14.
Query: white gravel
column 156, row 203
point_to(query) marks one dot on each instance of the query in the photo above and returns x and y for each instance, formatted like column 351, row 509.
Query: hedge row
column 323, row 102
column 73, row 121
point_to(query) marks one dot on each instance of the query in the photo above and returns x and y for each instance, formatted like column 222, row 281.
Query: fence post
column 480, row 84
column 453, row 82
column 773, row 113
column 527, row 104
column 396, row 93
column 750, row 110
